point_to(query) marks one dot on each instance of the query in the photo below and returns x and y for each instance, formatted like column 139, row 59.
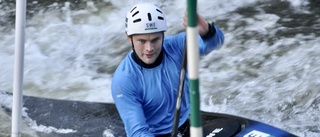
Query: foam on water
column 108, row 133
column 47, row 129
column 6, row 100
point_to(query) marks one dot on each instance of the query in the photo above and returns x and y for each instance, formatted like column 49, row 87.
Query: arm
column 213, row 39
column 129, row 106
column 210, row 36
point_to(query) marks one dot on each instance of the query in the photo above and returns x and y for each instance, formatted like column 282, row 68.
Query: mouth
column 149, row 55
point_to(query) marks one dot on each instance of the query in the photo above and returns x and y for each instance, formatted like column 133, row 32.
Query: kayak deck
column 76, row 118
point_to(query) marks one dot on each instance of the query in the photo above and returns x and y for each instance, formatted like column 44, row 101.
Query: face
column 147, row 46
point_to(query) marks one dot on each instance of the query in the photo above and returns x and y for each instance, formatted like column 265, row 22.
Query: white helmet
column 145, row 18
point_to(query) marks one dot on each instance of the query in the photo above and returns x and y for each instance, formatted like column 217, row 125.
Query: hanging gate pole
column 18, row 68
column 193, row 69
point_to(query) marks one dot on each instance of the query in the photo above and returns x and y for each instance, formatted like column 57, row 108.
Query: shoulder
column 174, row 44
column 175, row 39
column 125, row 79
column 126, row 72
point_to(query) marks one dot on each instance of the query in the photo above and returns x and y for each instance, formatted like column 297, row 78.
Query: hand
column 202, row 24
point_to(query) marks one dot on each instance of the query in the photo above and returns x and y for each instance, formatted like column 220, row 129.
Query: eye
column 142, row 41
column 155, row 40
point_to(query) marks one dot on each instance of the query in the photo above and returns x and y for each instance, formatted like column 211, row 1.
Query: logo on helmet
column 151, row 26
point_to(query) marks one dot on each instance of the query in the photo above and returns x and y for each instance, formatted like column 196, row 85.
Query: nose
column 149, row 46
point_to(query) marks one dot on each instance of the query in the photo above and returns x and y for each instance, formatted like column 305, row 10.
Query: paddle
column 180, row 93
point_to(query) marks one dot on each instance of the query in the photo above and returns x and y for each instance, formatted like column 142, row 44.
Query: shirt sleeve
column 129, row 106
column 215, row 40
column 211, row 41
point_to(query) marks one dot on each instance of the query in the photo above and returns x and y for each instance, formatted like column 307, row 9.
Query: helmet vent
column 160, row 18
column 135, row 14
column 137, row 20
column 149, row 17
column 133, row 9
column 159, row 11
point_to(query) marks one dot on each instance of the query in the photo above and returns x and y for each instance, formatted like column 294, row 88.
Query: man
column 145, row 84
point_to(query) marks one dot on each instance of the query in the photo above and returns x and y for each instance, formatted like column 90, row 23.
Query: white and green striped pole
column 193, row 64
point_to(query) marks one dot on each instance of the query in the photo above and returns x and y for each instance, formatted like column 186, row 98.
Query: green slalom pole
column 193, row 69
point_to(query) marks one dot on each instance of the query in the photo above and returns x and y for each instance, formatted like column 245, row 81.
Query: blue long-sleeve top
column 145, row 97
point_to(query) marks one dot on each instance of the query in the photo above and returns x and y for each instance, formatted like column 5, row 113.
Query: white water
column 71, row 53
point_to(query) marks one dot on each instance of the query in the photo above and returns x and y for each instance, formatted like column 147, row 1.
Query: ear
column 129, row 38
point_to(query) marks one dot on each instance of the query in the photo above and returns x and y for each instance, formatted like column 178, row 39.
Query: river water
column 268, row 69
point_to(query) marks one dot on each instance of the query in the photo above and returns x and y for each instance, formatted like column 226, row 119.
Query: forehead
column 148, row 36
